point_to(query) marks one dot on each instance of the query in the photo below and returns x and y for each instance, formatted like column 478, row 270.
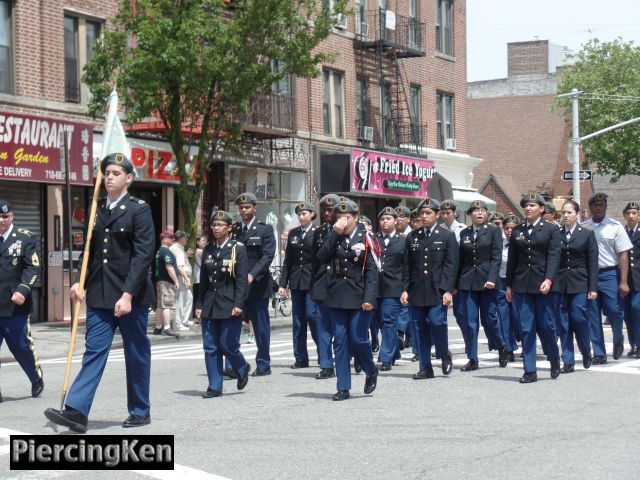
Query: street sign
column 582, row 175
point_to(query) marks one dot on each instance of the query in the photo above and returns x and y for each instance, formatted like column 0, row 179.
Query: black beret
column 222, row 216
column 532, row 197
column 346, row 206
column 496, row 216
column 475, row 205
column 304, row 206
column 549, row 207
column 598, row 197
column 5, row 207
column 511, row 219
column 246, row 198
column 388, row 211
column 431, row 203
column 403, row 211
column 631, row 206
column 365, row 219
column 329, row 200
column 448, row 205
column 117, row 159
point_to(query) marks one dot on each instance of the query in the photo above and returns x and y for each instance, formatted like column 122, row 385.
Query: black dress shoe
column 618, row 349
column 555, row 368
column 210, row 393
column 71, row 419
column 133, row 421
column 529, row 377
column 356, row 365
column 586, row 361
column 632, row 352
column 340, row 395
column 37, row 388
column 325, row 373
column 503, row 357
column 599, row 360
column 423, row 374
column 261, row 373
column 511, row 357
column 447, row 363
column 470, row 366
column 244, row 379
column 371, row 382
column 375, row 347
column 301, row 364
column 385, row 367
column 567, row 368
column 228, row 372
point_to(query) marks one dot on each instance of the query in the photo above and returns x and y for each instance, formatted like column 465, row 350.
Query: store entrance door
column 153, row 196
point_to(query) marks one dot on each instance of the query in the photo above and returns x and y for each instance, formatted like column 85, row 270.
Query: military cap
column 598, row 197
column 549, row 207
column 415, row 213
column 431, row 203
column 388, row 211
column 511, row 219
column 246, row 198
column 475, row 205
column 403, row 211
column 532, row 197
column 496, row 216
column 629, row 206
column 222, row 216
column 346, row 206
column 448, row 205
column 167, row 234
column 181, row 234
column 365, row 219
column 5, row 207
column 304, row 206
column 329, row 200
column 119, row 159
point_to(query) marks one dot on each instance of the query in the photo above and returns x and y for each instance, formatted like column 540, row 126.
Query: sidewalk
column 52, row 339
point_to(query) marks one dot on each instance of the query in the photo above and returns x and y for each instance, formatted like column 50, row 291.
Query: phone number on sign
column 58, row 175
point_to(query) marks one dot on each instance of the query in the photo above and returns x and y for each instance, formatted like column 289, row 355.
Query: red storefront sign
column 31, row 149
column 159, row 165
column 387, row 174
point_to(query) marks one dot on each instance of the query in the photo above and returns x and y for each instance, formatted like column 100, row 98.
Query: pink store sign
column 382, row 173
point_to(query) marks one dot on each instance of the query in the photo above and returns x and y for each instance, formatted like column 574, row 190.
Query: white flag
column 114, row 140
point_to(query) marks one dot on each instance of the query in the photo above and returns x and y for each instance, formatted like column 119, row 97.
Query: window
column 333, row 101
column 415, row 106
column 80, row 35
column 281, row 98
column 362, row 102
column 5, row 47
column 341, row 19
column 385, row 109
column 361, row 17
column 413, row 22
column 444, row 27
column 444, row 119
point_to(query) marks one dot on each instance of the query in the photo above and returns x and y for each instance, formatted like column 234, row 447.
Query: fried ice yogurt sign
column 30, row 149
column 387, row 174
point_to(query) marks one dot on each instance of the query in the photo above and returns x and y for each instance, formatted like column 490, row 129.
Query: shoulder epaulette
column 25, row 231
column 137, row 200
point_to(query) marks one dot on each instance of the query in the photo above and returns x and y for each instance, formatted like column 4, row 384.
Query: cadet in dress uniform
column 448, row 210
column 613, row 269
column 320, row 272
column 296, row 275
column 20, row 269
column 118, row 294
column 221, row 296
column 631, row 302
column 532, row 267
column 260, row 242
column 351, row 295
column 406, row 327
column 508, row 323
column 403, row 224
column 390, row 278
column 431, row 254
column 478, row 281
column 577, row 284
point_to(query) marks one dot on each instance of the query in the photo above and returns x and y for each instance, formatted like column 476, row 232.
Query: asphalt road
column 482, row 424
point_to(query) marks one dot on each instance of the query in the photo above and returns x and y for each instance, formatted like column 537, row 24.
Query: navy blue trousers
column 351, row 337
column 325, row 336
column 536, row 314
column 508, row 324
column 388, row 313
column 258, row 311
column 609, row 303
column 220, row 338
column 17, row 332
column 474, row 306
column 101, row 326
column 632, row 317
column 431, row 329
column 574, row 320
column 407, row 326
column 303, row 313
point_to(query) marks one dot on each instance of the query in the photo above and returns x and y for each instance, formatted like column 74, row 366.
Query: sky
column 491, row 24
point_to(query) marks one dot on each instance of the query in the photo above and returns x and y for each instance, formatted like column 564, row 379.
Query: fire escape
column 383, row 41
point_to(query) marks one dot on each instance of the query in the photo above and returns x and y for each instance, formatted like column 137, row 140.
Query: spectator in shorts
column 166, row 285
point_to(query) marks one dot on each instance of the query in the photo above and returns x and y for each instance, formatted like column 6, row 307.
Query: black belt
column 606, row 269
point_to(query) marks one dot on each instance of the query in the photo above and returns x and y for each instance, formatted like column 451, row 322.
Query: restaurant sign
column 32, row 149
column 387, row 174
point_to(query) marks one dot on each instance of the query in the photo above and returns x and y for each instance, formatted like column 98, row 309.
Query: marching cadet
column 260, row 243
column 431, row 254
column 508, row 323
column 390, row 278
column 550, row 214
column 351, row 295
column 613, row 269
column 632, row 301
column 320, row 272
column 532, row 267
column 406, row 327
column 478, row 281
column 448, row 215
column 296, row 275
column 403, row 220
column 20, row 270
column 497, row 218
column 118, row 294
column 577, row 284
column 221, row 296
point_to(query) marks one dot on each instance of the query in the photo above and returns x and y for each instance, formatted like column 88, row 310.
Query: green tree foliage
column 197, row 64
column 606, row 72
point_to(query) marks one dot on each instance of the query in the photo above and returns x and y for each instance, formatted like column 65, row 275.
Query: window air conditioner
column 365, row 133
column 341, row 21
column 364, row 29
column 451, row 144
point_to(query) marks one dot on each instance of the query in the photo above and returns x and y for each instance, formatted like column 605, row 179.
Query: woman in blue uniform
column 508, row 322
column 577, row 284
column 221, row 296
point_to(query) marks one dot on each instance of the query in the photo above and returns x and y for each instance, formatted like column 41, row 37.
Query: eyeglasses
column 6, row 215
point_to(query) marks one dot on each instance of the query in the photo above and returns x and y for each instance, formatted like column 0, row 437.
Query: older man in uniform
column 448, row 214
column 631, row 214
column 431, row 254
column 20, row 269
column 258, row 239
column 613, row 268
column 119, row 292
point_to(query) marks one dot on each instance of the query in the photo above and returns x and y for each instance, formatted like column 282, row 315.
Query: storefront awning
column 464, row 198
